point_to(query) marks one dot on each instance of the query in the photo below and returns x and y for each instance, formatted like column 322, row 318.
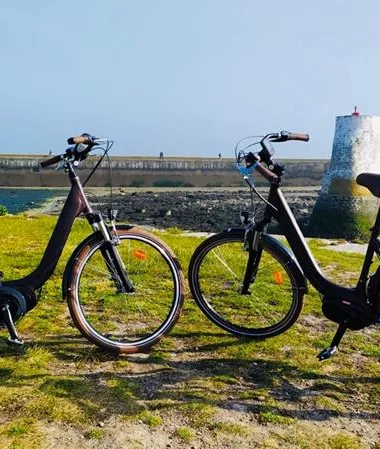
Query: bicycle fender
column 234, row 231
column 282, row 250
column 292, row 262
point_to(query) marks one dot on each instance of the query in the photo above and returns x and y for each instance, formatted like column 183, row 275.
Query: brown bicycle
column 124, row 287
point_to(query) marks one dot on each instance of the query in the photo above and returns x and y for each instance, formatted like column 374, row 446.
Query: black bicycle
column 251, row 285
column 124, row 287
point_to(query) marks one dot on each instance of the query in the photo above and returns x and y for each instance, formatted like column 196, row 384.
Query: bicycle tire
column 119, row 322
column 216, row 272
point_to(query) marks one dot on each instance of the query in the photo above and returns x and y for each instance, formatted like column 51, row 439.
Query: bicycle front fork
column 251, row 244
column 111, row 255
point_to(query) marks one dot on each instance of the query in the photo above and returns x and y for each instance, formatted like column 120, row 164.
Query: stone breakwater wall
column 24, row 171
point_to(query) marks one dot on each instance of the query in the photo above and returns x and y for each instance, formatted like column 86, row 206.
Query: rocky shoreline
column 202, row 210
column 206, row 210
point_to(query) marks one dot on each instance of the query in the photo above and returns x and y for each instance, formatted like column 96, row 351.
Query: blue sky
column 188, row 78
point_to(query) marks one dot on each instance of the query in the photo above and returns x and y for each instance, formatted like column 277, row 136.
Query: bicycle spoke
column 124, row 317
column 270, row 296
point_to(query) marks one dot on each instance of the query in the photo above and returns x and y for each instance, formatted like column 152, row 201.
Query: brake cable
column 105, row 151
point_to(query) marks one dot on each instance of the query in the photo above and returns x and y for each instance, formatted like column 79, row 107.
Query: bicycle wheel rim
column 121, row 321
column 216, row 279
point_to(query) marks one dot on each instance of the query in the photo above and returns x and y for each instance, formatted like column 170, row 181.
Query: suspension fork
column 251, row 244
column 111, row 255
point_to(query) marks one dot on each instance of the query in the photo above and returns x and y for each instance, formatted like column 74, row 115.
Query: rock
column 207, row 211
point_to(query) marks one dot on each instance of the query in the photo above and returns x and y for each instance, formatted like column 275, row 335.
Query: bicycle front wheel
column 118, row 321
column 216, row 273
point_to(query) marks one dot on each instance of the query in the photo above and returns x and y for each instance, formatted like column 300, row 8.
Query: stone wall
column 18, row 170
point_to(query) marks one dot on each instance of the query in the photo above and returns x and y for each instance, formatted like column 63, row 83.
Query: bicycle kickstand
column 330, row 351
column 14, row 338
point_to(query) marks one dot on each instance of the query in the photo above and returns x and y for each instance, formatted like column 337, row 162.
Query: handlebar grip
column 51, row 161
column 84, row 138
column 268, row 175
column 299, row 136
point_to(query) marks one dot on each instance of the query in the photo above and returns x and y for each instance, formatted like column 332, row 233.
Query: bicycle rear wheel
column 216, row 272
column 118, row 321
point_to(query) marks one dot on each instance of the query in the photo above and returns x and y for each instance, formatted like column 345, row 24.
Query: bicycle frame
column 280, row 210
column 75, row 204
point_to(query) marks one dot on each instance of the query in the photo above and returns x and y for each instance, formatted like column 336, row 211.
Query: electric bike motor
column 355, row 315
column 14, row 300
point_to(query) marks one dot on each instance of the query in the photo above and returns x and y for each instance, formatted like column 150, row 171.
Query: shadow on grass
column 101, row 389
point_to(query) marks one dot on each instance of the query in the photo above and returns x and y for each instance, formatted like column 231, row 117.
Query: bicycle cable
column 105, row 154
column 246, row 138
column 110, row 181
column 105, row 151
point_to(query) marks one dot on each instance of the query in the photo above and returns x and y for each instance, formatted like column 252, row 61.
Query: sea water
column 20, row 200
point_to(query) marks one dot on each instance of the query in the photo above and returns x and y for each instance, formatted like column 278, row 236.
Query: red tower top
column 356, row 112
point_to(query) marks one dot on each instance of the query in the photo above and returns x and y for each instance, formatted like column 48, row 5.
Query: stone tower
column 343, row 208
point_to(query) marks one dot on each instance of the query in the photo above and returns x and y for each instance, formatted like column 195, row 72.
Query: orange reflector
column 278, row 277
column 139, row 254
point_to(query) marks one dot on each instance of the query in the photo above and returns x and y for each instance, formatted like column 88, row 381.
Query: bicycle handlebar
column 283, row 136
column 265, row 172
column 299, row 136
column 79, row 151
column 51, row 161
column 254, row 161
column 84, row 138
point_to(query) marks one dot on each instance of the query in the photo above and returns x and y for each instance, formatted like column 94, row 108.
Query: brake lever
column 61, row 165
column 282, row 136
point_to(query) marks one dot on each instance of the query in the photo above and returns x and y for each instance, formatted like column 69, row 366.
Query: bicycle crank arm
column 327, row 353
column 331, row 350
column 14, row 338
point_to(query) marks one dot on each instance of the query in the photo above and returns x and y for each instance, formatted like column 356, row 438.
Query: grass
column 185, row 434
column 198, row 382
column 266, row 417
column 232, row 429
column 151, row 419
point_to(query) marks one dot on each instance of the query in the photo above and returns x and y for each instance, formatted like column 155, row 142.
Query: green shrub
column 137, row 183
column 171, row 183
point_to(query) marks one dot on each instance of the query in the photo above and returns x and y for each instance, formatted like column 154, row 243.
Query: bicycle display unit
column 124, row 287
column 250, row 284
